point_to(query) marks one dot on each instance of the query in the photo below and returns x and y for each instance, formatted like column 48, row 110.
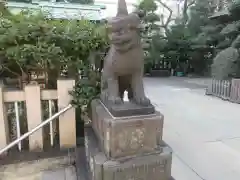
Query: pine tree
column 199, row 15
column 150, row 31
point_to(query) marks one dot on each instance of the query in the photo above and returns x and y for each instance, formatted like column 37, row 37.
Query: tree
column 149, row 17
column 32, row 43
column 199, row 15
column 186, row 5
column 226, row 64
column 165, row 25
column 150, row 29
column 204, row 34
column 182, row 12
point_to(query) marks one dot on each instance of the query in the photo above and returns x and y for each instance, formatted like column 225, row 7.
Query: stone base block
column 126, row 136
column 156, row 166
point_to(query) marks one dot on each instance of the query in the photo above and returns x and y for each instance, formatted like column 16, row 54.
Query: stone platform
column 156, row 165
column 126, row 148
column 82, row 169
column 129, row 109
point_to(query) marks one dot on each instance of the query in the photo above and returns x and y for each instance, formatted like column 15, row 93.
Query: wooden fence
column 32, row 96
column 235, row 91
column 225, row 89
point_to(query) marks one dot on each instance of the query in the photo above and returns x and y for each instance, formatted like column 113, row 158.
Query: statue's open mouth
column 122, row 42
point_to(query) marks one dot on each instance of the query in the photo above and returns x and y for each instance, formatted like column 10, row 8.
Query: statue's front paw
column 143, row 101
column 115, row 100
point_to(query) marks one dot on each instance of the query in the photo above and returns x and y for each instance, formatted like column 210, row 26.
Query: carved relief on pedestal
column 130, row 140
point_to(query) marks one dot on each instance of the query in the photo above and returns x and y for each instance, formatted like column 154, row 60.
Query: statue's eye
column 121, row 31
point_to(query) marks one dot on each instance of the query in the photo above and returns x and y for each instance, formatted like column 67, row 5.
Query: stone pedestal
column 126, row 136
column 126, row 148
column 156, row 165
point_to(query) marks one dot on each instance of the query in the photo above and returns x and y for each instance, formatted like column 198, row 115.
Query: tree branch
column 185, row 8
column 170, row 12
column 191, row 3
column 9, row 70
column 165, row 25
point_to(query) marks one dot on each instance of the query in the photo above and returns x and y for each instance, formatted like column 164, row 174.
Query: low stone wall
column 225, row 89
column 160, row 73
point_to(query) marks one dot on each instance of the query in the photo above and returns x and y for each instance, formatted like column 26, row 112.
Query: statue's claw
column 115, row 100
column 142, row 101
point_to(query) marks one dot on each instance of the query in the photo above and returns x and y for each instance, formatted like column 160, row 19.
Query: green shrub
column 234, row 8
column 227, row 62
column 33, row 42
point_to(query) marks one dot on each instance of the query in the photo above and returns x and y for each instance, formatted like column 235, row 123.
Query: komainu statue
column 124, row 63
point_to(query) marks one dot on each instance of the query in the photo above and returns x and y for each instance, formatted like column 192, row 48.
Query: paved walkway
column 203, row 131
column 55, row 168
column 67, row 173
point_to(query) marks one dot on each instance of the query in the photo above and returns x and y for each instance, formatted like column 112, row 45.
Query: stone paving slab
column 34, row 170
column 16, row 157
column 70, row 173
column 58, row 174
column 181, row 171
column 234, row 143
column 202, row 131
column 67, row 173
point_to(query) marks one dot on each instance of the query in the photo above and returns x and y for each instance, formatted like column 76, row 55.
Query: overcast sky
column 111, row 6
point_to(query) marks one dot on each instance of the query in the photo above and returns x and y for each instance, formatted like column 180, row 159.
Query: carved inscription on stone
column 155, row 171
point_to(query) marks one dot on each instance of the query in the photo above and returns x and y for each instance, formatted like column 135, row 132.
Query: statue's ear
column 109, row 28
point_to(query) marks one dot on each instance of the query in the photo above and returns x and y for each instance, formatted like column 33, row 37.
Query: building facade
column 101, row 9
column 60, row 10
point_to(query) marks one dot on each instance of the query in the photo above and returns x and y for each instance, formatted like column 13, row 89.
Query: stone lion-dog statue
column 124, row 64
